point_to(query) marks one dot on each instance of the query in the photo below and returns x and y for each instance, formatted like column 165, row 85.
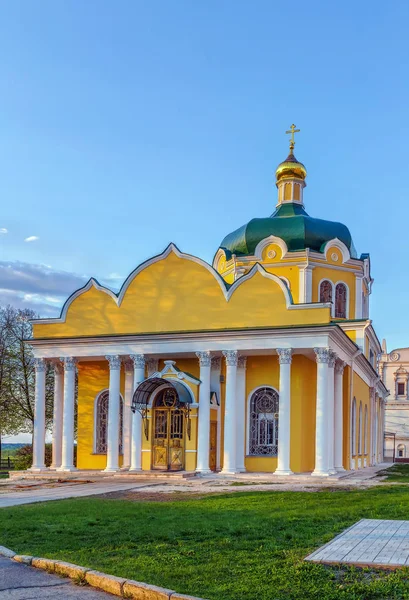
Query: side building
column 263, row 362
column 394, row 371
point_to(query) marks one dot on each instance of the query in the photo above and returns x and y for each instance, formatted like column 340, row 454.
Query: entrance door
column 213, row 446
column 168, row 434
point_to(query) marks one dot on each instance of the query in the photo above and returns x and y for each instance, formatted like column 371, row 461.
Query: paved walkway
column 16, row 492
column 370, row 542
column 59, row 492
column 21, row 582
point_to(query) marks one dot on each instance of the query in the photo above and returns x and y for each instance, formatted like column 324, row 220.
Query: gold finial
column 292, row 130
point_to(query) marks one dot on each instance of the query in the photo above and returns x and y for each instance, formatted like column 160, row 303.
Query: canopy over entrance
column 145, row 389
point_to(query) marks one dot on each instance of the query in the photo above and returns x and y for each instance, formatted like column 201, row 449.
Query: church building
column 264, row 361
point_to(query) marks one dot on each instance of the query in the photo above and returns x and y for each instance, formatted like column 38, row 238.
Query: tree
column 17, row 373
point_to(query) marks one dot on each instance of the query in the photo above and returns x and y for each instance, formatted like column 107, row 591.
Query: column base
column 229, row 472
column 241, row 470
column 283, row 472
column 126, row 468
column 320, row 474
column 203, row 471
column 55, row 467
column 135, row 470
column 111, row 470
column 69, row 469
column 38, row 469
column 340, row 469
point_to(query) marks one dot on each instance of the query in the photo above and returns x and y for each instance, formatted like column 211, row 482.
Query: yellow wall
column 177, row 294
column 361, row 392
column 335, row 276
column 93, row 378
column 265, row 370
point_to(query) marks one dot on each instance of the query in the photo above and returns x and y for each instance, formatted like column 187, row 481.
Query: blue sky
column 127, row 125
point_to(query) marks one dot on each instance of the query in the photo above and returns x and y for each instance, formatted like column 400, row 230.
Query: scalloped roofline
column 227, row 291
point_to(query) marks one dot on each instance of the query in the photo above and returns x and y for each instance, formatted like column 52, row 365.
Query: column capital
column 138, row 360
column 322, row 355
column 204, row 357
column 332, row 359
column 40, row 365
column 114, row 361
column 216, row 362
column 242, row 362
column 284, row 355
column 339, row 366
column 69, row 363
column 231, row 357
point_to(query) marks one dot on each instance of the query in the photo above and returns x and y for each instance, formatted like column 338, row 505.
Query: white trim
column 271, row 239
column 340, row 245
column 253, row 391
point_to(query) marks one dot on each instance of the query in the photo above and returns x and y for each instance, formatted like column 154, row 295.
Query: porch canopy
column 140, row 399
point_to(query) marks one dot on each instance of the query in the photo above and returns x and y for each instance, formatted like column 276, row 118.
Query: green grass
column 399, row 472
column 246, row 545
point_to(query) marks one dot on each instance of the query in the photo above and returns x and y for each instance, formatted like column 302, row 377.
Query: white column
column 339, row 416
column 136, row 446
column 203, row 439
column 230, row 425
column 305, row 279
column 321, row 428
column 40, row 366
column 284, row 413
column 241, row 414
column 358, row 296
column 67, row 462
column 58, row 415
column 331, row 413
column 215, row 386
column 113, row 413
column 127, row 419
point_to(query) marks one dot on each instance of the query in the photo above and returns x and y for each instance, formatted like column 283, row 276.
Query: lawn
column 399, row 473
column 243, row 545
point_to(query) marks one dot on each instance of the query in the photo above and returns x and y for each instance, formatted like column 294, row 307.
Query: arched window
column 341, row 301
column 353, row 427
column 401, row 451
column 360, row 429
column 366, row 430
column 263, row 422
column 101, row 423
column 325, row 291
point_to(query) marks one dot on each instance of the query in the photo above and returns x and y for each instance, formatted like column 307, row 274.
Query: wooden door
column 213, row 446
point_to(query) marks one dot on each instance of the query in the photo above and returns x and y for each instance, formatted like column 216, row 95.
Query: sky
column 127, row 125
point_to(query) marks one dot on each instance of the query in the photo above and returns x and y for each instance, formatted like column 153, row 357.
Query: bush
column 24, row 457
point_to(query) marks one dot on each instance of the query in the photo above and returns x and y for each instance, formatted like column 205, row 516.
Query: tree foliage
column 17, row 373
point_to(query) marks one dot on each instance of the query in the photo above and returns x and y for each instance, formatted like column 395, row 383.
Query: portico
column 221, row 372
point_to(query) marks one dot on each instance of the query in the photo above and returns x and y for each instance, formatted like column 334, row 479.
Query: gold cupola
column 290, row 176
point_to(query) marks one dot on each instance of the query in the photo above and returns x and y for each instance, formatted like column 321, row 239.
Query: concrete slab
column 370, row 542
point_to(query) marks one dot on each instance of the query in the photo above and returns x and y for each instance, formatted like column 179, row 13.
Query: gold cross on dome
column 292, row 130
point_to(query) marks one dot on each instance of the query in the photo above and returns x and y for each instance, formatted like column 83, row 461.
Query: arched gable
column 179, row 292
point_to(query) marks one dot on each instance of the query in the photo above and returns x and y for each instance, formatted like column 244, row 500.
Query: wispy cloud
column 32, row 238
column 41, row 288
column 3, row 230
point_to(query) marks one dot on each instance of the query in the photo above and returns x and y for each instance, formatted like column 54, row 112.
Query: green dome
column 292, row 224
